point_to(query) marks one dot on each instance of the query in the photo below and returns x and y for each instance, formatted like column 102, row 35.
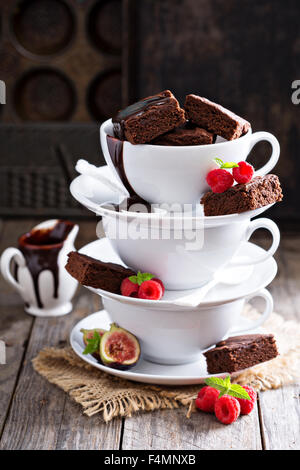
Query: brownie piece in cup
column 215, row 118
column 188, row 134
column 145, row 120
column 259, row 192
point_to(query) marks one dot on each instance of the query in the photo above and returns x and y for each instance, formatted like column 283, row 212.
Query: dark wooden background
column 244, row 55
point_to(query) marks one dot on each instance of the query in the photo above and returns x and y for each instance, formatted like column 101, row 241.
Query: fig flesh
column 119, row 348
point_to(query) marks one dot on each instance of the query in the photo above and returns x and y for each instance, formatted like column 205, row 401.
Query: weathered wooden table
column 37, row 415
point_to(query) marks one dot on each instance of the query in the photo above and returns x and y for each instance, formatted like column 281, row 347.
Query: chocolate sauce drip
column 127, row 204
column 40, row 260
column 115, row 148
column 136, row 109
column 40, row 249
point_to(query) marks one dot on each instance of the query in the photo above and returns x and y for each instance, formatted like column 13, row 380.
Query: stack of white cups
column 207, row 265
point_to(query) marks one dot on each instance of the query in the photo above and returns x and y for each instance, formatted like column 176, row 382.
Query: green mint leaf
column 229, row 165
column 238, row 392
column 225, row 165
column 133, row 279
column 218, row 161
column 218, row 383
column 227, row 388
column 147, row 276
column 227, row 380
column 93, row 344
column 215, row 382
column 141, row 277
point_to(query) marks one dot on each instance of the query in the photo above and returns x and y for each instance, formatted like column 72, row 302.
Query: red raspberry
column 243, row 173
column 160, row 282
column 227, row 409
column 150, row 290
column 206, row 399
column 128, row 288
column 247, row 405
column 219, row 180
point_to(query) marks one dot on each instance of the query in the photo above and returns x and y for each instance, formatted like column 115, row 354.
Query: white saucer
column 93, row 194
column 145, row 371
column 258, row 277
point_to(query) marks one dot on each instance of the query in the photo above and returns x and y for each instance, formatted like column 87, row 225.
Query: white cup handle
column 266, row 313
column 268, row 224
column 5, row 263
column 261, row 136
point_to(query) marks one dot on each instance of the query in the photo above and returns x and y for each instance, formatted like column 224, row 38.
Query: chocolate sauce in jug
column 40, row 249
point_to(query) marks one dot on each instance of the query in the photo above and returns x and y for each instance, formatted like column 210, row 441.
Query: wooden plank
column 171, row 430
column 280, row 418
column 15, row 324
column 42, row 416
column 280, row 409
column 78, row 431
column 36, row 411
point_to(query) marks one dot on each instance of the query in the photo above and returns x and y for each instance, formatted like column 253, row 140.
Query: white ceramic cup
column 178, row 336
column 171, row 174
column 39, row 295
column 188, row 258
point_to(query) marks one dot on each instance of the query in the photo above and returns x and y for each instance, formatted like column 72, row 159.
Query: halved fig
column 89, row 334
column 91, row 343
column 119, row 348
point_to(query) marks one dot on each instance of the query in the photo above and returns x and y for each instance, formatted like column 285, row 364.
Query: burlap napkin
column 98, row 392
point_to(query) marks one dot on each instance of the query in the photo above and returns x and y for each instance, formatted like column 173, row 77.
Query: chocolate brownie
column 239, row 352
column 188, row 134
column 214, row 117
column 259, row 192
column 145, row 120
column 94, row 273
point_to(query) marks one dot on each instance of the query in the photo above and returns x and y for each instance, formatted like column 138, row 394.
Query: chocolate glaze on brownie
column 94, row 273
column 259, row 192
column 148, row 118
column 240, row 352
column 214, row 117
column 188, row 134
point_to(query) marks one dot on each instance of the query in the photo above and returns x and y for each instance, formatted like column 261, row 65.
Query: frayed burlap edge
column 99, row 392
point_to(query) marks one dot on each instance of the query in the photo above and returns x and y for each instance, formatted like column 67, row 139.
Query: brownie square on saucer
column 95, row 273
column 240, row 352
column 259, row 192
column 150, row 117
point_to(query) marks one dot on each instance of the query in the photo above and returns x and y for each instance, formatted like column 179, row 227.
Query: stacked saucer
column 207, row 265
